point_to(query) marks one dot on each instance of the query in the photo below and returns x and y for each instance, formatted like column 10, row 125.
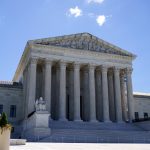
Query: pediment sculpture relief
column 82, row 42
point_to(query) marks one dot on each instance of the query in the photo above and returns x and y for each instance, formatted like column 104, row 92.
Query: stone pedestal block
column 37, row 126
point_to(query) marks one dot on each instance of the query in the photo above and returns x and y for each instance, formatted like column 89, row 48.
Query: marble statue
column 40, row 104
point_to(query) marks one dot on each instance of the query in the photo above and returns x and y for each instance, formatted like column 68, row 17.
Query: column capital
column 48, row 62
column 33, row 60
column 129, row 70
column 122, row 74
column 76, row 64
column 62, row 63
column 104, row 68
column 117, row 69
column 91, row 66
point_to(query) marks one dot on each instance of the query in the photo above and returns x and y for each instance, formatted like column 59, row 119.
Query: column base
column 107, row 121
column 93, row 120
column 62, row 119
column 130, row 121
column 78, row 120
column 120, row 122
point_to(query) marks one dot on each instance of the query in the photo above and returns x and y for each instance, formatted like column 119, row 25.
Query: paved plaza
column 79, row 146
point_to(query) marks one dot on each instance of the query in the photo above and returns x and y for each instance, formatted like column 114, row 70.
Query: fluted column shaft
column 77, row 92
column 32, row 85
column 62, row 92
column 106, row 117
column 111, row 96
column 123, row 97
column 47, row 80
column 99, row 99
column 130, row 95
column 92, row 93
column 118, row 95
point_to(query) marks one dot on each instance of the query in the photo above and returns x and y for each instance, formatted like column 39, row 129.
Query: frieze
column 65, row 52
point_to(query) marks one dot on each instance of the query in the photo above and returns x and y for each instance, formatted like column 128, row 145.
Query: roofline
column 141, row 94
column 26, row 50
column 101, row 40
column 32, row 42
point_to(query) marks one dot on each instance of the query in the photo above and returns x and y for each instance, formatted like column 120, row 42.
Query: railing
column 10, row 84
column 6, row 82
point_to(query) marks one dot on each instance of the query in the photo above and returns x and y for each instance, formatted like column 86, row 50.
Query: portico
column 82, row 78
column 77, row 90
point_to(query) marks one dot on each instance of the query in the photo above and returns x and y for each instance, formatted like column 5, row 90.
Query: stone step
column 93, row 126
column 97, row 136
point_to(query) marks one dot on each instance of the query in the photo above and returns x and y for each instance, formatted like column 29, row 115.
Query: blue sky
column 125, row 23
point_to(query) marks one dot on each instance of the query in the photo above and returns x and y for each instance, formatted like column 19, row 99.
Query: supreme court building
column 80, row 77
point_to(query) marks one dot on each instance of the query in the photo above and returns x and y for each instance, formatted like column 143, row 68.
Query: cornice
column 22, row 62
column 42, row 49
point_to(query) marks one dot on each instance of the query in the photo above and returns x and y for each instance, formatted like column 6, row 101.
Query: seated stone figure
column 40, row 104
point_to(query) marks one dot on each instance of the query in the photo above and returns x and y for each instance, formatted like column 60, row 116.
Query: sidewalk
column 80, row 146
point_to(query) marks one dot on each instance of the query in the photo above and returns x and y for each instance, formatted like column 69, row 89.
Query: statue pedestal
column 37, row 126
column 41, row 119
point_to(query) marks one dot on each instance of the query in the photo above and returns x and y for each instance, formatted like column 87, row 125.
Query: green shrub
column 4, row 125
column 3, row 120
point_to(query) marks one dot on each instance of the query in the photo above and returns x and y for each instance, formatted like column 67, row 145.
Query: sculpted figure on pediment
column 67, row 43
column 91, row 45
column 86, row 43
column 97, row 48
column 94, row 45
column 77, row 44
column 63, row 43
column 73, row 44
column 80, row 43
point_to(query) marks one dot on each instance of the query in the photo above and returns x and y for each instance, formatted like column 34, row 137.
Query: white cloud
column 101, row 19
column 76, row 12
column 95, row 1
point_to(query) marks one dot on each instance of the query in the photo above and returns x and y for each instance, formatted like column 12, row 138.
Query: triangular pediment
column 83, row 41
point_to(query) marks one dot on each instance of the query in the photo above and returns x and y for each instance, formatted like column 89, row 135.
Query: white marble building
column 82, row 79
column 80, row 76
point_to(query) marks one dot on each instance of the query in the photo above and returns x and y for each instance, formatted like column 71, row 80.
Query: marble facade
column 81, row 77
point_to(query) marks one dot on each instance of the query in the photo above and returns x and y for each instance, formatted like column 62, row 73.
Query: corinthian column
column 92, row 93
column 111, row 96
column 106, row 117
column 77, row 92
column 123, row 97
column 130, row 95
column 32, row 85
column 62, row 92
column 47, row 80
column 118, row 95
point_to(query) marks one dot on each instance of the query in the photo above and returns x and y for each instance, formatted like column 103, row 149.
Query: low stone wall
column 18, row 141
column 145, row 125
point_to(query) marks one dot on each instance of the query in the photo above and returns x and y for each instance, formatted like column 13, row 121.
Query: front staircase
column 96, row 132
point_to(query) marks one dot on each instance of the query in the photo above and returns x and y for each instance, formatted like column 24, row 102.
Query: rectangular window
column 13, row 111
column 136, row 116
column 145, row 115
column 1, row 109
